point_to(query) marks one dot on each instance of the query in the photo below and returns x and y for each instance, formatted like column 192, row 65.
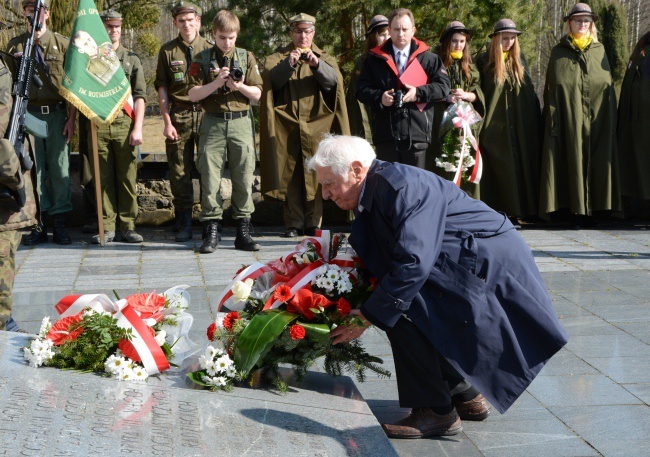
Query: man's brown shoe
column 424, row 422
column 477, row 409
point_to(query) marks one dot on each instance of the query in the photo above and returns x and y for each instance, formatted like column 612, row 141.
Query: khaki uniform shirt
column 173, row 65
column 221, row 102
column 134, row 72
column 54, row 47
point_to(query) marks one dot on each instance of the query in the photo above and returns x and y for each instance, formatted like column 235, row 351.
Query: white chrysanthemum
column 242, row 290
column 211, row 352
column 231, row 371
column 222, row 363
column 46, row 325
column 211, row 367
column 115, row 364
column 220, row 381
column 127, row 374
column 202, row 361
column 139, row 373
column 207, row 380
column 322, row 270
column 160, row 337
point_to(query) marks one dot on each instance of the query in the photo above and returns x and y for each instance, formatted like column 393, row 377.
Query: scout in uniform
column 304, row 98
column 116, row 144
column 227, row 80
column 52, row 156
column 12, row 178
column 180, row 115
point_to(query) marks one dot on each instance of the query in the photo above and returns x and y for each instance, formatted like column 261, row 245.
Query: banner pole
column 98, row 189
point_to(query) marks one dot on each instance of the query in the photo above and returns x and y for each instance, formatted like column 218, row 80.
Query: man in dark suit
column 459, row 295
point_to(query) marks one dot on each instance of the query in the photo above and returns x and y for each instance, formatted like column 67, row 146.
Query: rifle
column 21, row 121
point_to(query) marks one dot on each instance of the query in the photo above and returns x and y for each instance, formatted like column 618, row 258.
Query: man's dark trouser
column 424, row 378
column 401, row 152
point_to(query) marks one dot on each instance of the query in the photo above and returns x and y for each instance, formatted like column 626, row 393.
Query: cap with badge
column 456, row 27
column 110, row 16
column 32, row 3
column 302, row 18
column 580, row 9
column 505, row 26
column 184, row 8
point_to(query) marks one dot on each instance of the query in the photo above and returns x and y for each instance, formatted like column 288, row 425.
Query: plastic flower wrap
column 458, row 141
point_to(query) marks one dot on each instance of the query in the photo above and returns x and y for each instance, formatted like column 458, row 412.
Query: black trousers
column 424, row 377
column 403, row 152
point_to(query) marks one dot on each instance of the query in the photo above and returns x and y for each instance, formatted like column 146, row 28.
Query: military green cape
column 579, row 160
column 293, row 121
column 633, row 125
column 473, row 84
column 510, row 143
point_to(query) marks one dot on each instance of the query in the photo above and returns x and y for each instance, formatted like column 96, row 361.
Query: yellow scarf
column 581, row 42
column 505, row 55
column 456, row 55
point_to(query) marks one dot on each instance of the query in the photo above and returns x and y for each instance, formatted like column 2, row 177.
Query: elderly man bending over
column 459, row 295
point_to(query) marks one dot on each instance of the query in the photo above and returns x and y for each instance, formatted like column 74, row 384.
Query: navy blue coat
column 461, row 273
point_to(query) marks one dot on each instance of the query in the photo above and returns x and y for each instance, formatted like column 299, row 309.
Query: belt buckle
column 45, row 109
column 227, row 116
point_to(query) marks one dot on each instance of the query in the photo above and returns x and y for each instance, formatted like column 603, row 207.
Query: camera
column 304, row 56
column 398, row 99
column 236, row 73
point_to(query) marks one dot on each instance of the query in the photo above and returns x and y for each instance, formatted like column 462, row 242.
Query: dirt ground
column 152, row 133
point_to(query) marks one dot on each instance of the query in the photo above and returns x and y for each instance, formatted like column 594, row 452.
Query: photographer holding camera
column 227, row 80
column 304, row 98
column 402, row 114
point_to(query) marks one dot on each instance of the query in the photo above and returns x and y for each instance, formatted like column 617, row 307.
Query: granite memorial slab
column 51, row 412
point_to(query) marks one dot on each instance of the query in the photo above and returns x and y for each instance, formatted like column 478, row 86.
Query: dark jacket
column 461, row 273
column 379, row 74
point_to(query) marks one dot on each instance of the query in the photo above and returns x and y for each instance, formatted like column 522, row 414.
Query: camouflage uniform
column 117, row 158
column 173, row 64
column 53, row 166
column 11, row 221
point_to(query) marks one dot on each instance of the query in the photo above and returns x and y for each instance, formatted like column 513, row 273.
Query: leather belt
column 187, row 106
column 46, row 109
column 228, row 115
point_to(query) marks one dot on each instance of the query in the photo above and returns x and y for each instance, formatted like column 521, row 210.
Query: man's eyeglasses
column 582, row 21
column 303, row 31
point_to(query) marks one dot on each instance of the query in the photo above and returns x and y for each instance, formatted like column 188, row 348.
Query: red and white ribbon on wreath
column 152, row 356
column 74, row 304
column 250, row 272
column 463, row 119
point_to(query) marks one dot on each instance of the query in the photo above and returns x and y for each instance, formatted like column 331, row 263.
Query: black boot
column 36, row 236
column 59, row 232
column 185, row 226
column 244, row 241
column 210, row 237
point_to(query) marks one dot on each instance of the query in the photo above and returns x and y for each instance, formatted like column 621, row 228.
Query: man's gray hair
column 339, row 151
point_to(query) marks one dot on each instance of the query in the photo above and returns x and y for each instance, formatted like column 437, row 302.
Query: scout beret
column 505, row 25
column 26, row 3
column 580, row 9
column 185, row 7
column 111, row 16
column 302, row 18
column 456, row 27
column 377, row 22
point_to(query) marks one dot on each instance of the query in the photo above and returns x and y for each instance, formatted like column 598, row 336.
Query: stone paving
column 591, row 399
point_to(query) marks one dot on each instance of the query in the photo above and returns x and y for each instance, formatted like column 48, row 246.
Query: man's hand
column 410, row 95
column 135, row 139
column 387, row 98
column 170, row 132
column 312, row 59
column 68, row 129
column 346, row 332
column 294, row 57
column 223, row 76
column 234, row 85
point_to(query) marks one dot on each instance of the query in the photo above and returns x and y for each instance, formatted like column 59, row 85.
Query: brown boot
column 424, row 422
column 476, row 409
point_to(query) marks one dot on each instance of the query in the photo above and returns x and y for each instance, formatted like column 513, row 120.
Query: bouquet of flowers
column 129, row 339
column 282, row 312
column 458, row 141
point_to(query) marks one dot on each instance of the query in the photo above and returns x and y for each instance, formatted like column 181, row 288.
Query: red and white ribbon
column 74, row 304
column 299, row 281
column 464, row 119
column 152, row 356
